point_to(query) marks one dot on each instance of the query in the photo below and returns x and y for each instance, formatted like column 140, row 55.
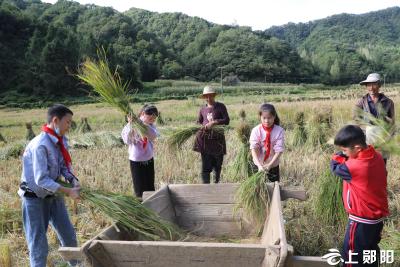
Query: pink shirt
column 257, row 138
column 135, row 143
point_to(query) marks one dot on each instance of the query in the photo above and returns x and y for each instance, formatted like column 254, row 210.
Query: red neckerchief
column 145, row 141
column 267, row 141
column 64, row 151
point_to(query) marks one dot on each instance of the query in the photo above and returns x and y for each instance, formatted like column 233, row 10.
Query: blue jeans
column 37, row 213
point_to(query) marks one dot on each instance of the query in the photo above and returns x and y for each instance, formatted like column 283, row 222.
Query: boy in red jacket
column 364, row 193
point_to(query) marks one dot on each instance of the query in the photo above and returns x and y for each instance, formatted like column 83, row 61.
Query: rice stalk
column 29, row 132
column 380, row 133
column 328, row 206
column 102, row 139
column 5, row 254
column 131, row 214
column 180, row 136
column 391, row 239
column 252, row 195
column 84, row 126
column 110, row 87
column 8, row 218
column 241, row 167
column 160, row 119
column 12, row 150
column 316, row 131
column 299, row 137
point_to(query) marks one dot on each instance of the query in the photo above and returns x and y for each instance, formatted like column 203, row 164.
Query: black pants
column 272, row 175
column 142, row 176
column 360, row 237
column 210, row 162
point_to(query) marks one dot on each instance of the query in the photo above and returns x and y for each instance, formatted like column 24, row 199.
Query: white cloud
column 256, row 13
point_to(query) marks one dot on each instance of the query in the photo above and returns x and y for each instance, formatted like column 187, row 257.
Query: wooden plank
column 215, row 228
column 221, row 193
column 161, row 203
column 147, row 194
column 306, row 261
column 183, row 254
column 274, row 230
column 182, row 194
column 272, row 255
column 100, row 255
column 71, row 253
column 293, row 192
column 209, row 212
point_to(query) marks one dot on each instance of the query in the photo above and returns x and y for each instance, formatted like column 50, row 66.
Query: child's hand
column 260, row 168
column 267, row 167
column 129, row 118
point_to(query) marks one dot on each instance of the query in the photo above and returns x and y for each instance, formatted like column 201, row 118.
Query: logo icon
column 333, row 258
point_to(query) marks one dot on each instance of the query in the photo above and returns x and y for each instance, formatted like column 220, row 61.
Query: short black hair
column 349, row 136
column 150, row 110
column 59, row 111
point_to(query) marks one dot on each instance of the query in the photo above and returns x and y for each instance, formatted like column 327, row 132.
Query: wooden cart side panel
column 306, row 261
column 223, row 193
column 161, row 203
column 274, row 231
column 183, row 194
column 182, row 254
column 78, row 253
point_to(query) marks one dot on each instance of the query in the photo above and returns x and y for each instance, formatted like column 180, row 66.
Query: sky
column 257, row 14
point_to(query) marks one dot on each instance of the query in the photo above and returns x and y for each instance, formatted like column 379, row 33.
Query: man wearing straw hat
column 209, row 143
column 377, row 105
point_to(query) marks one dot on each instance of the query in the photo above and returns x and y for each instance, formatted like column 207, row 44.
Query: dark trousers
column 210, row 163
column 272, row 175
column 360, row 237
column 142, row 176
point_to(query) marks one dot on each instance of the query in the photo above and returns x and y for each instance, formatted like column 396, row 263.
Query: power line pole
column 222, row 89
column 384, row 81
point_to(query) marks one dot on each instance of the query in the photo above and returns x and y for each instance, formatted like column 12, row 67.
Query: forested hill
column 42, row 45
column 344, row 47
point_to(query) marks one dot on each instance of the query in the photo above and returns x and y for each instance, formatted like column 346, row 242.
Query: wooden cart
column 206, row 210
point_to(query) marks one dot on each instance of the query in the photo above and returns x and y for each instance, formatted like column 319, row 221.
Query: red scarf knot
column 64, row 151
column 267, row 141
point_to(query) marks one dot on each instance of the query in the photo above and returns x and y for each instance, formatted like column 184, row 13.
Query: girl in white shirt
column 267, row 142
column 141, row 150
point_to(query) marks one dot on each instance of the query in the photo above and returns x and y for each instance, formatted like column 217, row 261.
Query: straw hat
column 372, row 78
column 208, row 90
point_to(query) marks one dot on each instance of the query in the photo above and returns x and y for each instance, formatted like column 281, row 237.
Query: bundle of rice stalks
column 131, row 214
column 299, row 132
column 110, row 87
column 391, row 239
column 5, row 254
column 316, row 131
column 102, row 139
column 9, row 220
column 84, row 126
column 241, row 167
column 160, row 120
column 242, row 115
column 326, row 114
column 2, row 139
column 13, row 150
column 179, row 137
column 328, row 206
column 253, row 197
column 29, row 132
column 380, row 133
column 73, row 125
